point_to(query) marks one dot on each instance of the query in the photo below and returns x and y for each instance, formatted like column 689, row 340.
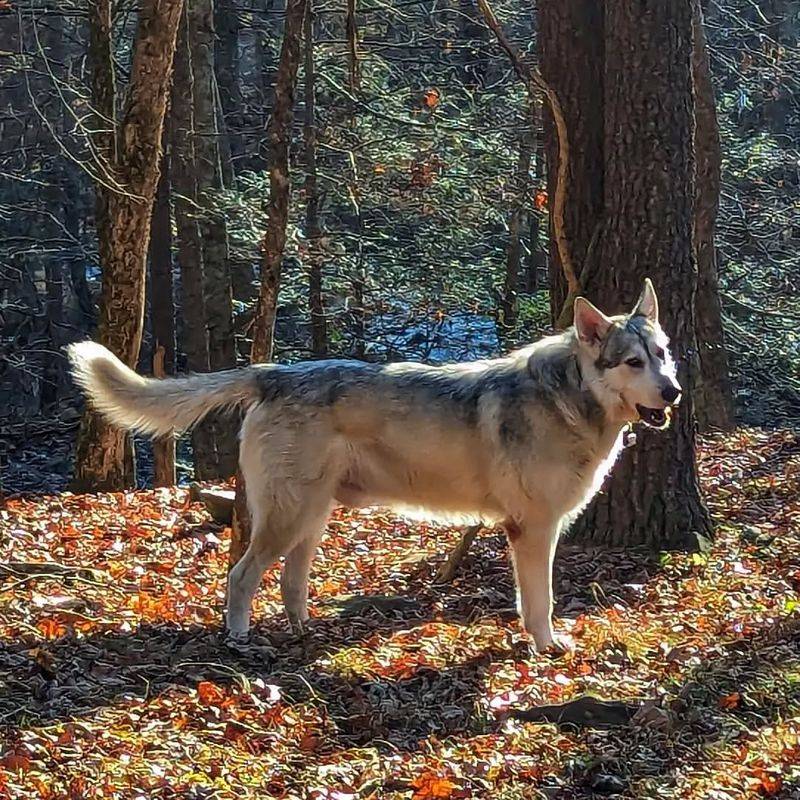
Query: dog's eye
column 636, row 363
column 660, row 354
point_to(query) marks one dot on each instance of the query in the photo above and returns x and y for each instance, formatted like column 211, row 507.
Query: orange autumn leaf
column 540, row 199
column 430, row 786
column 234, row 731
column 117, row 569
column 210, row 694
column 731, row 700
column 309, row 742
column 770, row 783
column 14, row 762
column 180, row 722
column 50, row 627
column 431, row 98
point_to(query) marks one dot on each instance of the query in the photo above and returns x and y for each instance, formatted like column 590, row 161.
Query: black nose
column 670, row 393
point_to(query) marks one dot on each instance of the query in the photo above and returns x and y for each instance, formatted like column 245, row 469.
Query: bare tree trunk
column 352, row 45
column 226, row 22
column 279, row 133
column 319, row 333
column 230, row 125
column 194, row 337
column 104, row 458
column 162, row 315
column 713, row 394
column 360, row 277
column 653, row 496
column 519, row 213
column 163, row 448
column 213, row 233
column 537, row 248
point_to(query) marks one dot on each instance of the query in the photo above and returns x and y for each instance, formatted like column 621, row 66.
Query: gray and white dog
column 525, row 440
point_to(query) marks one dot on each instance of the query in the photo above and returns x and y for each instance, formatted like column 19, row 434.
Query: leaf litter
column 115, row 680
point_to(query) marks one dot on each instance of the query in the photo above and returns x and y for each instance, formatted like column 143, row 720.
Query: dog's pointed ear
column 647, row 304
column 591, row 324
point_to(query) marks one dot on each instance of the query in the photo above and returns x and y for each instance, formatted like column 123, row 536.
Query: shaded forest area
column 419, row 187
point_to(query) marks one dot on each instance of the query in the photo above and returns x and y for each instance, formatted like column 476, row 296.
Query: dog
column 525, row 440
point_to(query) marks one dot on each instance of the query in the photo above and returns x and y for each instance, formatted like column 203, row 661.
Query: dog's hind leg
column 291, row 465
column 269, row 541
column 296, row 567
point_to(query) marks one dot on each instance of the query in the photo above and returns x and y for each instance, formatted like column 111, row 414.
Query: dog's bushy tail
column 150, row 405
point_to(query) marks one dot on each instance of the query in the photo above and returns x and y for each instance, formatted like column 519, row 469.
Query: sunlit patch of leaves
column 116, row 682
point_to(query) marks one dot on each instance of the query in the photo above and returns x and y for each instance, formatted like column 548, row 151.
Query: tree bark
column 516, row 225
column 279, row 132
column 207, row 168
column 231, row 124
column 360, row 276
column 104, row 457
column 103, row 81
column 319, row 333
column 571, row 53
column 537, row 248
column 226, row 22
column 164, row 447
column 713, row 395
column 192, row 332
column 162, row 315
column 653, row 495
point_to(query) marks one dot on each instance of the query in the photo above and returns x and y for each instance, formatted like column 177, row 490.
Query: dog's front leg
column 533, row 545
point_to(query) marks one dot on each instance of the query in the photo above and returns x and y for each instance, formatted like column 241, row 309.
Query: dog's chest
column 596, row 463
column 570, row 481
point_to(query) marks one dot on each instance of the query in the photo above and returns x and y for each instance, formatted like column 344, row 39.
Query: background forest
column 198, row 185
column 418, row 185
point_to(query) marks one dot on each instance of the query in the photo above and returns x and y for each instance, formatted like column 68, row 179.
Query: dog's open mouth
column 654, row 417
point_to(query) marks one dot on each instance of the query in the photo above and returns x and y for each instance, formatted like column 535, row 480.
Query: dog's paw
column 236, row 640
column 557, row 647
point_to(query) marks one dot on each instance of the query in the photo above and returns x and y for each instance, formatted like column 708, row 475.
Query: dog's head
column 631, row 371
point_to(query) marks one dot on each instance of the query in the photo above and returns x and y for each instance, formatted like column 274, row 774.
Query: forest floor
column 116, row 683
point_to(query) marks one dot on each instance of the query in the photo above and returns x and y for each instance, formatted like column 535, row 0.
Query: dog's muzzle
column 660, row 417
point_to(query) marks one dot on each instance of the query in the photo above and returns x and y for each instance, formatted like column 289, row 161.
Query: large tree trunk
column 193, row 334
column 214, row 237
column 571, row 59
column 279, row 133
column 713, row 394
column 653, row 495
column 102, row 460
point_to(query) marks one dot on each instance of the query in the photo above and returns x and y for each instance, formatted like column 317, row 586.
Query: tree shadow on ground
column 777, row 459
column 73, row 675
column 702, row 720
